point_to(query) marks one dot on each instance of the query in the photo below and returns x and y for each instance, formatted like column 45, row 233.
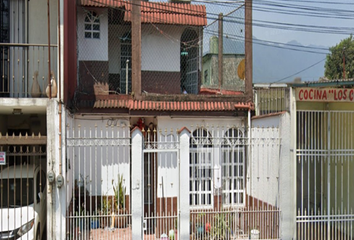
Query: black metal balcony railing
column 24, row 69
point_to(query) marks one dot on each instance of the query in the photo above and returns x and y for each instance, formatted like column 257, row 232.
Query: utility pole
column 136, row 48
column 220, row 52
column 248, row 51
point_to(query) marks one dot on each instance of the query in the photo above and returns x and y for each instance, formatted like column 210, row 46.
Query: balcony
column 24, row 69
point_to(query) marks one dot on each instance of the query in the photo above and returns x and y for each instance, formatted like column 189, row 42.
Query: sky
column 328, row 14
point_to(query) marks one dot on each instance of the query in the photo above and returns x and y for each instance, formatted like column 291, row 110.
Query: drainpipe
column 249, row 148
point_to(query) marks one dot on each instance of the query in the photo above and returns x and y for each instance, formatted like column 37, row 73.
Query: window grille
column 92, row 25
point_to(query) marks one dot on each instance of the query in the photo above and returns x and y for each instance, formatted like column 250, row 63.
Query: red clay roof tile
column 158, row 12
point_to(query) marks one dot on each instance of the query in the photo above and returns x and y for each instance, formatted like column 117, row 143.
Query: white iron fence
column 98, row 186
column 214, row 182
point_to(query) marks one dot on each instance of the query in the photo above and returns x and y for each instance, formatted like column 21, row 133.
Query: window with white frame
column 200, row 169
column 233, row 169
column 92, row 25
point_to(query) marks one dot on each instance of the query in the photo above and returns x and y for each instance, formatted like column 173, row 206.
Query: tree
column 334, row 61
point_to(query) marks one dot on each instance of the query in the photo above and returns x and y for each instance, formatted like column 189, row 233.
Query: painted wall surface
column 159, row 52
column 271, row 170
column 167, row 167
column 91, row 49
column 263, row 169
column 160, row 48
column 101, row 161
column 38, row 24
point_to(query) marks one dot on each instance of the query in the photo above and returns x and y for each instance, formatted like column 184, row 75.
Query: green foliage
column 334, row 60
column 220, row 229
column 119, row 193
column 106, row 206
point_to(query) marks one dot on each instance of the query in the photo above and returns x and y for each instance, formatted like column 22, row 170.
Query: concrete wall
column 271, row 171
column 231, row 81
column 263, row 168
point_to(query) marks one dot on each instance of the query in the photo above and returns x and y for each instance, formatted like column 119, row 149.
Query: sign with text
column 325, row 94
column 2, row 158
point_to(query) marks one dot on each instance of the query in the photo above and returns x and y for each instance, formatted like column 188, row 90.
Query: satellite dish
column 241, row 69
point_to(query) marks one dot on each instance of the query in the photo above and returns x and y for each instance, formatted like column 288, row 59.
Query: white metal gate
column 161, row 183
column 22, row 186
column 325, row 154
column 98, row 179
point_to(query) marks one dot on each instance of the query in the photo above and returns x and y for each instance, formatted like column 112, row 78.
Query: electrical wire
column 303, row 70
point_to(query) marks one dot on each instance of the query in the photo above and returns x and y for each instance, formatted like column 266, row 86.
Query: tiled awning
column 158, row 12
column 171, row 106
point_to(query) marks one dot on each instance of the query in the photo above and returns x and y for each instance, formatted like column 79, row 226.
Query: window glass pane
column 88, row 26
column 96, row 35
column 87, row 35
column 87, row 19
column 96, row 27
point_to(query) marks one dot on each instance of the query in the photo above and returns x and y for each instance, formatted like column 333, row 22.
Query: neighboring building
column 316, row 175
column 24, row 112
column 233, row 67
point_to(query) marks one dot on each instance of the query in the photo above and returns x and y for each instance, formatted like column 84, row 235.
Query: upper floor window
column 92, row 25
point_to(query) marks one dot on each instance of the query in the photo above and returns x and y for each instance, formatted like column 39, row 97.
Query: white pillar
column 183, row 203
column 137, row 184
column 56, row 197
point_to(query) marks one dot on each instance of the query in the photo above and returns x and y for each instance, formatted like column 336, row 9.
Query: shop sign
column 325, row 94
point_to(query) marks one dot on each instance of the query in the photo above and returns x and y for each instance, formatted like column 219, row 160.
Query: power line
column 292, row 75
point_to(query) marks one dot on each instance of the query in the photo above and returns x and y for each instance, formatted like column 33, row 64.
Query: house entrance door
column 161, row 183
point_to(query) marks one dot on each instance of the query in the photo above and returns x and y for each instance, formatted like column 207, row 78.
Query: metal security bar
column 271, row 100
column 98, row 173
column 22, row 187
column 24, row 69
column 324, row 179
